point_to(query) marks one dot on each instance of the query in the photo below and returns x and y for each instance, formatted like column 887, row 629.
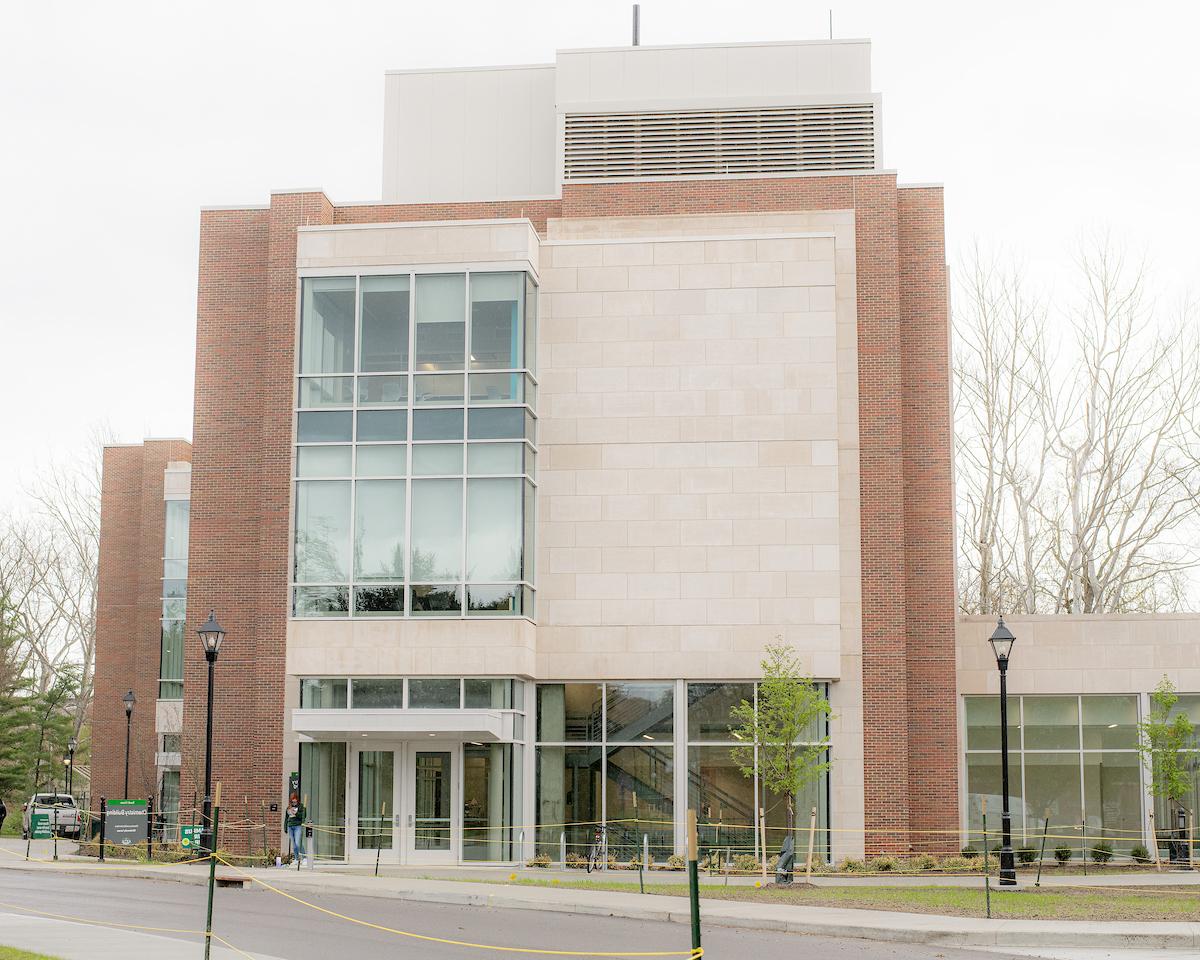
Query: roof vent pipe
column 637, row 24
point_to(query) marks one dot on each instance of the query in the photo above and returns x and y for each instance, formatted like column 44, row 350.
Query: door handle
column 410, row 819
column 396, row 819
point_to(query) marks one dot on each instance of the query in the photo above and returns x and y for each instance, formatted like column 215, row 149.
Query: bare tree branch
column 1077, row 472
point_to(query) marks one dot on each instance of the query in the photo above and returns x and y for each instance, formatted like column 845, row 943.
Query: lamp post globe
column 1002, row 640
column 211, row 637
column 129, row 700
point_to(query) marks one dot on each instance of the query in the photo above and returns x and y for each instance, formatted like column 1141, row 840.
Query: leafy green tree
column 787, row 727
column 55, row 724
column 1164, row 741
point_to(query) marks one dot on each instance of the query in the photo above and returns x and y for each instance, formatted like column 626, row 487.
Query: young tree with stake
column 1164, row 741
column 786, row 727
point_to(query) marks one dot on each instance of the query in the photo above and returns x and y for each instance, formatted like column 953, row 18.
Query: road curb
column 876, row 925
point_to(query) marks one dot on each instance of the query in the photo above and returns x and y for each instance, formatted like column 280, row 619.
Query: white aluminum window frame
column 527, row 587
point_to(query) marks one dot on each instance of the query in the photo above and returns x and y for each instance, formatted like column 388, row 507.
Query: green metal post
column 987, row 877
column 212, row 881
column 693, row 882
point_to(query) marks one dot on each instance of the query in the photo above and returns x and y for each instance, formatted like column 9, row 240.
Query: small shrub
column 996, row 848
column 883, row 865
column 1140, row 854
column 1027, row 854
column 923, row 861
column 1102, row 852
column 575, row 861
column 960, row 864
column 541, row 860
column 1062, row 853
column 969, row 851
column 675, row 862
column 850, row 865
column 746, row 863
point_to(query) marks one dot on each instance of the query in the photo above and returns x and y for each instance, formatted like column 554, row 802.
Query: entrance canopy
column 482, row 726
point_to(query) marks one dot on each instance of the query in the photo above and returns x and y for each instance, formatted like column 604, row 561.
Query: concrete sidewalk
column 827, row 921
column 85, row 941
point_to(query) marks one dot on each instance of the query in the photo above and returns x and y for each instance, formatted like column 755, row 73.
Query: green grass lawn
column 1110, row 903
column 12, row 953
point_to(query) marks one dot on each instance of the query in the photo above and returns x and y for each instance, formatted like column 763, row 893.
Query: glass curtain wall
column 607, row 753
column 415, row 465
column 490, row 783
column 168, row 804
column 1073, row 762
column 728, row 804
column 174, row 599
column 492, row 772
column 323, row 782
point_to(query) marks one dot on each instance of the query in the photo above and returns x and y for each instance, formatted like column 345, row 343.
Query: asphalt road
column 260, row 921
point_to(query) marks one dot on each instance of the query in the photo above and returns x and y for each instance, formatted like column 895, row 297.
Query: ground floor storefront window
column 169, row 806
column 631, row 757
column 427, row 801
column 491, row 784
column 634, row 756
column 1073, row 764
column 323, row 783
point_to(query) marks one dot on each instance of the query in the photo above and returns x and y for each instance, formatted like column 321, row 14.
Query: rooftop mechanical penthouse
column 501, row 485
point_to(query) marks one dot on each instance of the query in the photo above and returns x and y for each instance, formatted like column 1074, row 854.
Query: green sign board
column 39, row 826
column 189, row 836
column 126, row 821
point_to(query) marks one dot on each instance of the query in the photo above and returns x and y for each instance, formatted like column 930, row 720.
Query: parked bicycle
column 597, row 854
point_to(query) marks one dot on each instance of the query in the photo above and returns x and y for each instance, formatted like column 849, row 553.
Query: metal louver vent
column 799, row 139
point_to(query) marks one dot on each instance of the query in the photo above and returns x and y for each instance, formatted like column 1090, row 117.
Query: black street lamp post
column 211, row 636
column 1002, row 640
column 71, row 745
column 129, row 700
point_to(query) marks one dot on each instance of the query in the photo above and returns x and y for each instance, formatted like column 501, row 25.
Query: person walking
column 294, row 818
column 3, row 814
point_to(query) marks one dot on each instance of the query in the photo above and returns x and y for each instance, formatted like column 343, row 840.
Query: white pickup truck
column 64, row 814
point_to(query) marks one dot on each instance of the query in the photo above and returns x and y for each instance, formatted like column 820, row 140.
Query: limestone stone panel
column 701, row 486
column 1113, row 653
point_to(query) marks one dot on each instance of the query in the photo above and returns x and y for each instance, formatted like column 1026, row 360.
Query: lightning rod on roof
column 637, row 24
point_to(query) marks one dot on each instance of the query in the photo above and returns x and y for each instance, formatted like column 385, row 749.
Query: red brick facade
column 240, row 487
column 928, row 517
column 129, row 613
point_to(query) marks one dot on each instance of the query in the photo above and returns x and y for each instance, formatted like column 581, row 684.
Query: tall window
column 730, row 806
column 174, row 599
column 1072, row 760
column 415, row 446
column 608, row 753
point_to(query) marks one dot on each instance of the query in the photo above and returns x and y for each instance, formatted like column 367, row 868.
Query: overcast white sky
column 119, row 120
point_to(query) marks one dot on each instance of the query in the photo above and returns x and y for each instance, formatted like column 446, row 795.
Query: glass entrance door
column 376, row 808
column 431, row 791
